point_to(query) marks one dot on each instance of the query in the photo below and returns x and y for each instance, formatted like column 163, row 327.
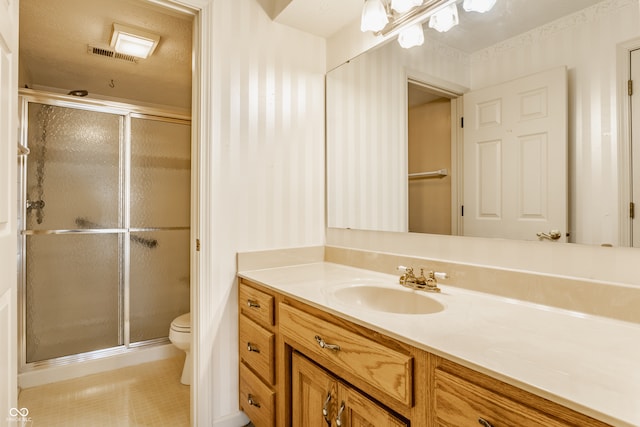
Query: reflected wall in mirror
column 367, row 114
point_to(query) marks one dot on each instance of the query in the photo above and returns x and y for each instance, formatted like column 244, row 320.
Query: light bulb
column 481, row 6
column 402, row 6
column 411, row 36
column 445, row 19
column 374, row 16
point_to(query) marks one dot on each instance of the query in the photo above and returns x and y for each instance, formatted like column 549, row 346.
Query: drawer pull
column 323, row 344
column 484, row 423
column 339, row 416
column 251, row 347
column 252, row 304
column 252, row 402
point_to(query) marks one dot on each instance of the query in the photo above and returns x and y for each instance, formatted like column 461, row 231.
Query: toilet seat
column 182, row 323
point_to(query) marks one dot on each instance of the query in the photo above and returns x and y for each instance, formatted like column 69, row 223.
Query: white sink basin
column 390, row 300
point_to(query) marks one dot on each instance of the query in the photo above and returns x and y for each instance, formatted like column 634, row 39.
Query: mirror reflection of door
column 635, row 149
column 430, row 166
column 515, row 152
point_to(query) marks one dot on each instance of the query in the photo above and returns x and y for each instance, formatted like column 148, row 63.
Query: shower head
column 78, row 92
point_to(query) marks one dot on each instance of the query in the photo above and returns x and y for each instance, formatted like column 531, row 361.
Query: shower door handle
column 75, row 231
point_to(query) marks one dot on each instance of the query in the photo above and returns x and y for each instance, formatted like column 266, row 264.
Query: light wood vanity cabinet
column 310, row 360
column 464, row 397
column 319, row 399
column 368, row 362
column 257, row 355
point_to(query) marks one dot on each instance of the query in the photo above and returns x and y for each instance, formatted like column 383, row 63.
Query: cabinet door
column 313, row 394
column 356, row 410
column 319, row 400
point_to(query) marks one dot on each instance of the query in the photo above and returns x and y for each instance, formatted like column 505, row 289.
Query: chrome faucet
column 422, row 283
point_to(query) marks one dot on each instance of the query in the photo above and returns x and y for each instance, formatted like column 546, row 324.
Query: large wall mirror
column 379, row 101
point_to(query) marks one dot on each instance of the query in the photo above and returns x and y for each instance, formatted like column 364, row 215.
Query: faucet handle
column 440, row 275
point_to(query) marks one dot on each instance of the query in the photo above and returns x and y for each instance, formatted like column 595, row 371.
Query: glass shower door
column 160, row 217
column 73, row 229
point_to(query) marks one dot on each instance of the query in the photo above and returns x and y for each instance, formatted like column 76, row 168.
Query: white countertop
column 590, row 364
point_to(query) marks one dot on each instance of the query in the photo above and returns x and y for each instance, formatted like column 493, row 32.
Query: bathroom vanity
column 317, row 350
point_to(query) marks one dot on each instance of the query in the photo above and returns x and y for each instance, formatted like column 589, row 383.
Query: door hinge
column 630, row 87
column 197, row 245
column 462, row 122
column 632, row 210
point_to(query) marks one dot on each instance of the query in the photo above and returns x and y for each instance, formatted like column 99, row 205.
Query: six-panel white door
column 515, row 158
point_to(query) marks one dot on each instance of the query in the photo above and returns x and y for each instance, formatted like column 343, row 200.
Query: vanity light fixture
column 444, row 19
column 374, row 16
column 481, row 6
column 411, row 36
column 132, row 41
column 402, row 6
column 405, row 17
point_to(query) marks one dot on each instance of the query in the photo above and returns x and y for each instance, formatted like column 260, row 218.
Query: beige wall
column 430, row 150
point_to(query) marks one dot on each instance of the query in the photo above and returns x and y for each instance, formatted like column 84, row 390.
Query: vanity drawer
column 461, row 403
column 257, row 348
column 256, row 399
column 385, row 369
column 256, row 305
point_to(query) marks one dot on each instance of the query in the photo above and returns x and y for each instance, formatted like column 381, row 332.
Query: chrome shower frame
column 127, row 111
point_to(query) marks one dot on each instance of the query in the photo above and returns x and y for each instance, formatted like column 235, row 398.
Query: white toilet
column 180, row 336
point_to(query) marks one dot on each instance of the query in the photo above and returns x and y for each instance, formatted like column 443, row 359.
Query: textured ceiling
column 507, row 19
column 54, row 35
column 320, row 17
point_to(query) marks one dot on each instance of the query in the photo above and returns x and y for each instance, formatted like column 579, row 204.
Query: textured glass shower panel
column 160, row 173
column 72, row 293
column 73, row 168
column 159, row 277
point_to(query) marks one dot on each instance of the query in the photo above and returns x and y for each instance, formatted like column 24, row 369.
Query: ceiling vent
column 108, row 53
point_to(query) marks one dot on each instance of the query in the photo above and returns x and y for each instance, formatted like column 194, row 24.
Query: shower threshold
column 79, row 365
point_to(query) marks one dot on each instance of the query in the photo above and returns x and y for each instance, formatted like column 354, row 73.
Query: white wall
column 267, row 175
column 586, row 42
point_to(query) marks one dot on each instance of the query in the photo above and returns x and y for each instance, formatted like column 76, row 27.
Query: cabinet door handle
column 339, row 416
column 325, row 409
column 484, row 423
column 251, row 347
column 252, row 303
column 323, row 344
column 251, row 401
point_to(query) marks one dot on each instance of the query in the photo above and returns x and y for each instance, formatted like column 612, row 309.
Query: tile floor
column 149, row 394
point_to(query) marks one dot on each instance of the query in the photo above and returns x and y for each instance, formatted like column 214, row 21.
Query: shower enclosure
column 104, row 219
